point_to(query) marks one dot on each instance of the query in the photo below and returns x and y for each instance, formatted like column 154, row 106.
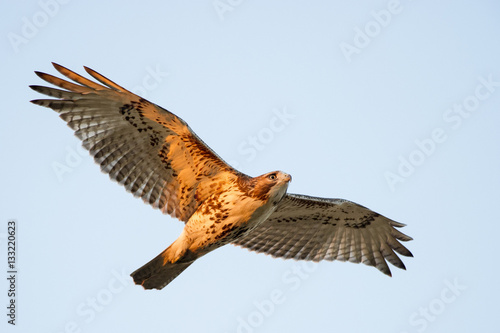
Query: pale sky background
column 365, row 92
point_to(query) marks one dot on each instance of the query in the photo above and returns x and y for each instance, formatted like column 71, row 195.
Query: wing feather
column 309, row 228
column 101, row 78
column 147, row 149
column 355, row 249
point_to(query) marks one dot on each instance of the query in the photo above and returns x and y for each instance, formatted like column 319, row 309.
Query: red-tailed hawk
column 156, row 156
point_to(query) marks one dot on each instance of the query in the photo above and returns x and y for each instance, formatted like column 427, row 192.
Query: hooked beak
column 288, row 178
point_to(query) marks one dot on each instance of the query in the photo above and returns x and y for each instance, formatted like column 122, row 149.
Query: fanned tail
column 160, row 271
column 156, row 275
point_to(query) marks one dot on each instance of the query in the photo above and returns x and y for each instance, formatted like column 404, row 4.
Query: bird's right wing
column 147, row 149
column 309, row 228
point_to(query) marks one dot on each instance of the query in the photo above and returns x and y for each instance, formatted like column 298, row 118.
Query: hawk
column 156, row 156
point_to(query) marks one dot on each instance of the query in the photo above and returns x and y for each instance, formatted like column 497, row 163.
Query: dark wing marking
column 147, row 149
column 309, row 228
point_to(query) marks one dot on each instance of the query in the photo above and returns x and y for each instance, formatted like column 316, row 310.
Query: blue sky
column 391, row 104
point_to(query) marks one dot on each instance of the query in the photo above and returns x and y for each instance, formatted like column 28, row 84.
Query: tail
column 156, row 275
column 160, row 271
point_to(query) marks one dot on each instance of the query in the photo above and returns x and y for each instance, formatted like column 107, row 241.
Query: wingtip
column 397, row 224
column 56, row 65
column 36, row 101
column 61, row 69
column 40, row 74
column 89, row 70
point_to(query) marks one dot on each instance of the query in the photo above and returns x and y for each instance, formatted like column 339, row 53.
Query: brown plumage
column 157, row 157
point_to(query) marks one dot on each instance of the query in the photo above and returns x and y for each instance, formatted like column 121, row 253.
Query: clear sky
column 391, row 104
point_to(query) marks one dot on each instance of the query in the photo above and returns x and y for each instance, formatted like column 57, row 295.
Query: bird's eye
column 272, row 176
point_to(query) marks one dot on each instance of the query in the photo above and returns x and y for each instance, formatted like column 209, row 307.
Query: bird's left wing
column 309, row 228
column 147, row 149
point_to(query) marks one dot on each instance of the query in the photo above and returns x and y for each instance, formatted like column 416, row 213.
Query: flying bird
column 156, row 156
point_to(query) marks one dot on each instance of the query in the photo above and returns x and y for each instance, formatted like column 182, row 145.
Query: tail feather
column 156, row 274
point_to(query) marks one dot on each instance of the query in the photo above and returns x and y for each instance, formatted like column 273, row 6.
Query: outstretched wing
column 309, row 228
column 147, row 149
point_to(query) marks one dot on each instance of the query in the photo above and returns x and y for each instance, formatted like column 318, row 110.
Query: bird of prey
column 156, row 156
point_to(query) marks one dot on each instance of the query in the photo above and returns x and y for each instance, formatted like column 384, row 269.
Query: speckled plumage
column 157, row 157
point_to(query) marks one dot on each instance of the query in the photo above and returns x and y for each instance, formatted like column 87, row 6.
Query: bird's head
column 270, row 186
